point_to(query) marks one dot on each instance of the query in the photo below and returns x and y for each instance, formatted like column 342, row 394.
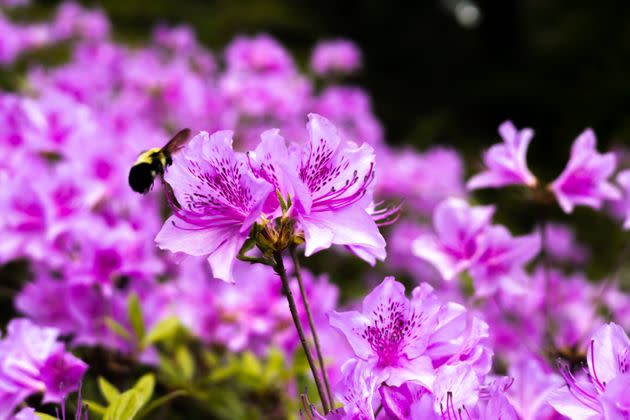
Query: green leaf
column 158, row 402
column 135, row 315
column 251, row 365
column 168, row 369
column 275, row 366
column 43, row 416
column 108, row 391
column 222, row 373
column 117, row 328
column 95, row 407
column 144, row 387
column 163, row 330
column 125, row 407
column 185, row 362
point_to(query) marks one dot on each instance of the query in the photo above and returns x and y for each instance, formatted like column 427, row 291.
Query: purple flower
column 534, row 381
column 506, row 162
column 329, row 183
column 602, row 392
column 339, row 56
column 399, row 251
column 458, row 395
column 458, row 336
column 500, row 265
column 457, row 242
column 623, row 179
column 391, row 334
column 561, row 244
column 423, row 180
column 32, row 361
column 218, row 202
column 408, row 401
column 260, row 53
column 356, row 390
column 350, row 109
column 584, row 181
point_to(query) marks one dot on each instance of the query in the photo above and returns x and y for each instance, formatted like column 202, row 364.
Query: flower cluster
column 417, row 358
column 584, row 181
column 500, row 323
column 33, row 361
column 223, row 193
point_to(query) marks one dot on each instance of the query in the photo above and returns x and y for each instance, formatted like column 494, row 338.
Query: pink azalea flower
column 458, row 336
column 338, row 56
column 623, row 179
column 506, row 162
column 562, row 245
column 493, row 402
column 500, row 265
column 602, row 392
column 391, row 334
column 260, row 53
column 584, row 181
column 219, row 200
column 422, row 180
column 399, row 251
column 456, row 390
column 33, row 361
column 329, row 183
column 356, row 390
column 350, row 109
column 534, row 382
column 457, row 242
column 458, row 395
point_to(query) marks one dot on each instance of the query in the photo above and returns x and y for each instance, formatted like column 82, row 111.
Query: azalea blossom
column 457, row 240
column 458, row 395
column 602, row 391
column 506, row 162
column 562, row 245
column 337, row 56
column 584, row 180
column 32, row 360
column 391, row 334
column 218, row 200
column 501, row 263
column 329, row 183
column 459, row 337
column 534, row 382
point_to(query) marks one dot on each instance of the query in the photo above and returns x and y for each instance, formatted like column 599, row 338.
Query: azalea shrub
column 287, row 261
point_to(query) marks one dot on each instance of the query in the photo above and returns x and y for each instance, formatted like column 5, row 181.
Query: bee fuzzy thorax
column 154, row 162
column 150, row 155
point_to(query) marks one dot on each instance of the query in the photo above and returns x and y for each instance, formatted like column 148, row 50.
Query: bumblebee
column 154, row 162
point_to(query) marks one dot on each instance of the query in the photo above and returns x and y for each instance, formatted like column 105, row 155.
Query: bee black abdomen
column 141, row 177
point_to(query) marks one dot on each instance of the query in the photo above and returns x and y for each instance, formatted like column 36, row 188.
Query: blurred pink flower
column 259, row 54
column 339, row 56
column 602, row 392
column 584, row 181
column 534, row 381
column 457, row 240
column 507, row 161
column 33, row 361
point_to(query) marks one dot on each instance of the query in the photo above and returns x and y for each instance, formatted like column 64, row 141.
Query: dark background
column 556, row 66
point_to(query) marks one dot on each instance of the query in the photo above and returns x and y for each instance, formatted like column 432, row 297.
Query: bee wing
column 178, row 141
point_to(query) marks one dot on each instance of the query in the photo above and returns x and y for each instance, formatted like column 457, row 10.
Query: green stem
column 320, row 357
column 282, row 272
